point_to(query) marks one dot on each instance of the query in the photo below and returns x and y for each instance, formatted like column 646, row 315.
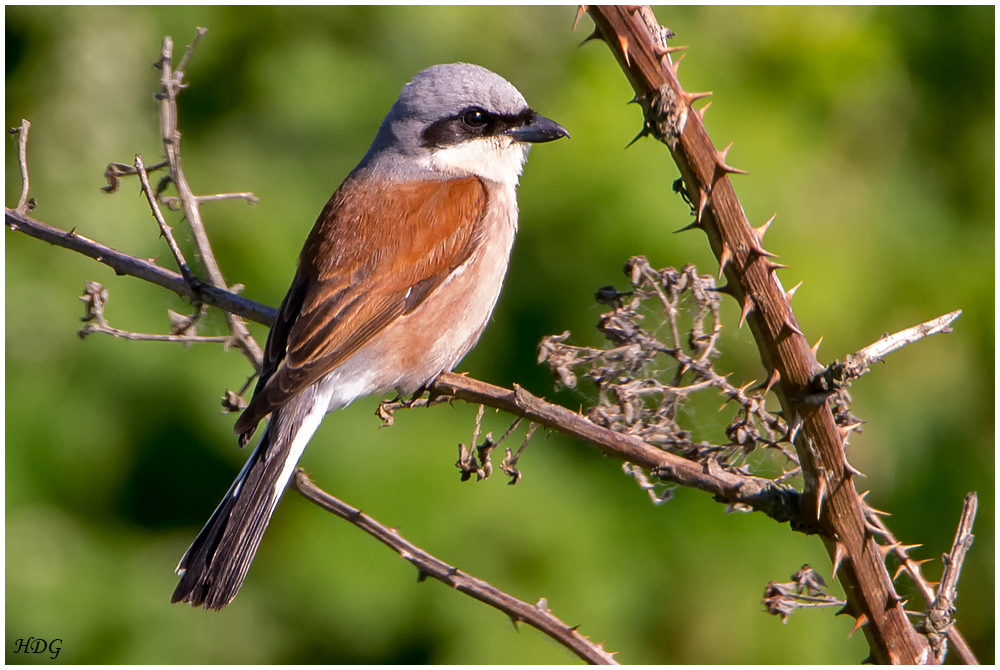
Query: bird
column 394, row 285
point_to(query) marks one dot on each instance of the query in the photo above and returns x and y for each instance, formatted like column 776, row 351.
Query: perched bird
column 394, row 286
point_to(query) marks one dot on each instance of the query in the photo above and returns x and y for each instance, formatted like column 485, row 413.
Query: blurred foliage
column 869, row 131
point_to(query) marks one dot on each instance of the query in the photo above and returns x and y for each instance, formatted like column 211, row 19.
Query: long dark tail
column 214, row 566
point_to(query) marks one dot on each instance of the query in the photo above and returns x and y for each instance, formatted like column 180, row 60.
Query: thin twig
column 165, row 230
column 912, row 568
column 91, row 328
column 23, row 204
column 248, row 196
column 171, row 82
column 840, row 373
column 537, row 616
column 939, row 618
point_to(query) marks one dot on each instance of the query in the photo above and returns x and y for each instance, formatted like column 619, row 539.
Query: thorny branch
column 818, row 422
column 538, row 615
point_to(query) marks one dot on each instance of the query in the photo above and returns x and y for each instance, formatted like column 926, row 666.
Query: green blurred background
column 869, row 131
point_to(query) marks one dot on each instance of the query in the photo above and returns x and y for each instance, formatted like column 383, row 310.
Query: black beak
column 537, row 129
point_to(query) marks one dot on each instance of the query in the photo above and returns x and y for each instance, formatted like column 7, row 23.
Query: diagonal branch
column 640, row 47
column 939, row 618
column 147, row 270
column 841, row 373
column 537, row 616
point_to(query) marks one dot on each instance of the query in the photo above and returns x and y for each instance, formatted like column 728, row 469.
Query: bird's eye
column 475, row 118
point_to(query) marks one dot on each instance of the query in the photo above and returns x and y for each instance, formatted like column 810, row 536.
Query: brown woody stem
column 538, row 616
column 829, row 493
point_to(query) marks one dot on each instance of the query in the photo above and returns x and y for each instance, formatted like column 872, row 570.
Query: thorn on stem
column 724, row 258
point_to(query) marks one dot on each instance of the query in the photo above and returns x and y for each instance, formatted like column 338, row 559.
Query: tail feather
column 214, row 567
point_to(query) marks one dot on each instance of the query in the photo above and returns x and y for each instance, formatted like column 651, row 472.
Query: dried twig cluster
column 807, row 589
column 659, row 358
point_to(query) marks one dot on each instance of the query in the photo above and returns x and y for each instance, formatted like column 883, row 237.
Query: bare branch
column 199, row 33
column 171, row 83
column 538, row 615
column 24, row 205
column 92, row 328
column 147, row 270
column 165, row 229
column 249, row 197
column 839, row 374
column 939, row 618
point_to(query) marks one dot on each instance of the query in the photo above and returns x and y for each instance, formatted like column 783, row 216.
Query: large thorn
column 878, row 512
column 793, row 430
column 772, row 379
column 724, row 258
column 702, row 203
column 848, row 609
column 838, row 557
column 747, row 308
column 691, row 97
column 623, row 41
column 691, row 226
column 664, row 50
column 858, row 623
column 762, row 229
column 701, row 112
column 845, row 431
column 792, row 326
column 851, row 470
column 676, row 65
column 579, row 13
column 820, row 495
column 596, row 35
column 642, row 133
column 886, row 549
column 815, row 348
column 727, row 289
column 720, row 162
column 790, row 293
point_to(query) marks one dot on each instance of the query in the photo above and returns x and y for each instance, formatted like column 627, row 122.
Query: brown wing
column 376, row 252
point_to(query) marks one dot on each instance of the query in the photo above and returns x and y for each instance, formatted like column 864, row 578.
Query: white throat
column 498, row 159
